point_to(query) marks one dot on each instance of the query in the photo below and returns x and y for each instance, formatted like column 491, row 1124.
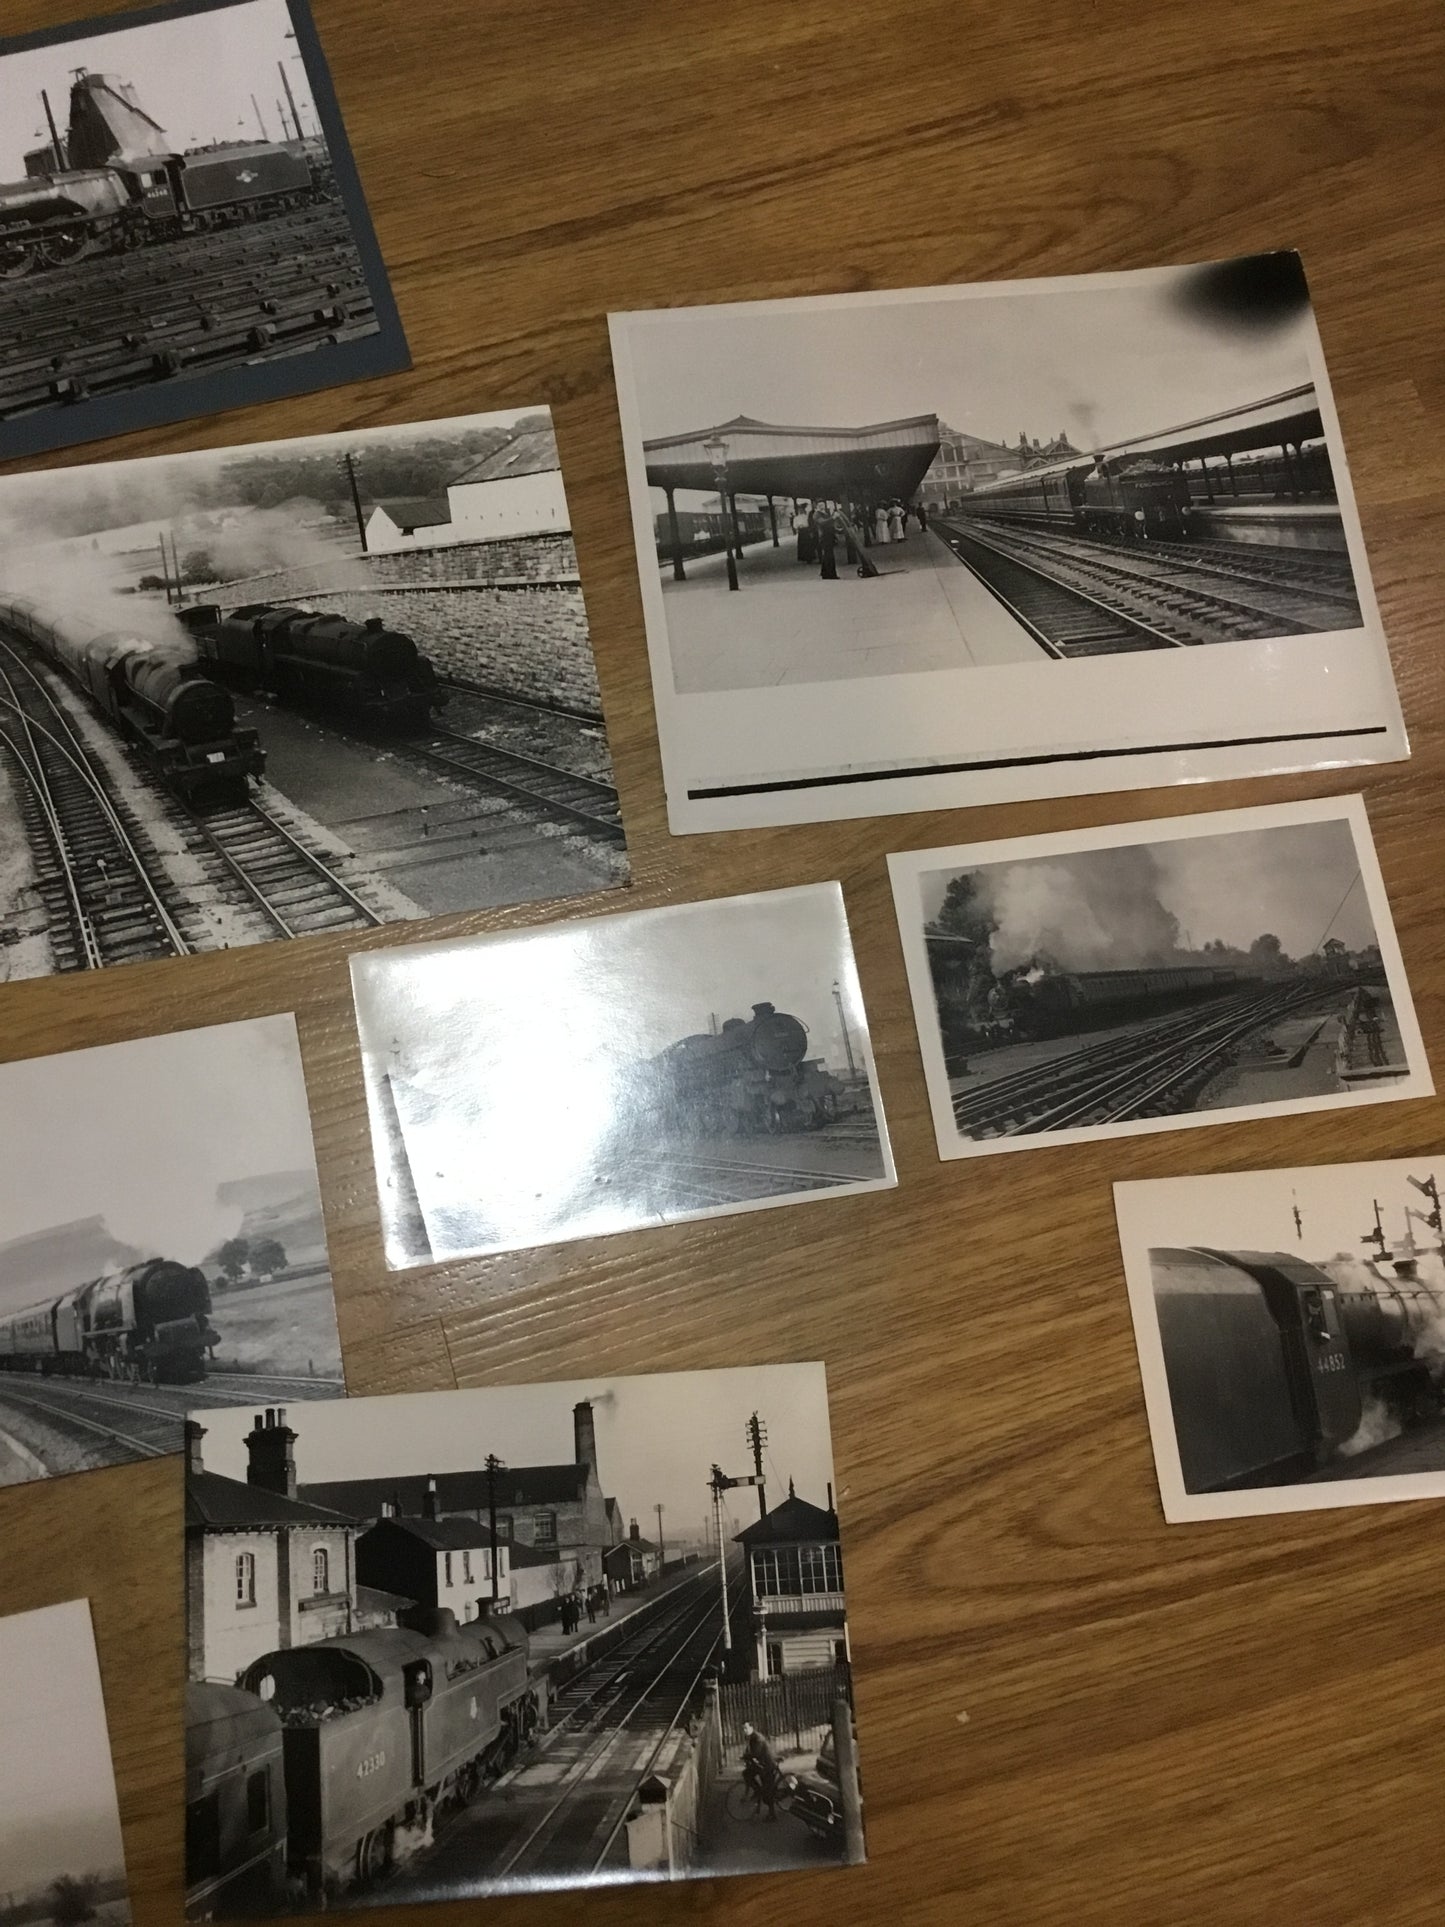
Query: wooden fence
column 789, row 1709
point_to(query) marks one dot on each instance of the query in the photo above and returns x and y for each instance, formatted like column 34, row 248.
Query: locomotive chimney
column 194, row 1434
column 584, row 1432
column 429, row 1502
column 764, row 1010
column 271, row 1464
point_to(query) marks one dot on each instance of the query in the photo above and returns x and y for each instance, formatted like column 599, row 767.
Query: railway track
column 692, row 1184
column 1159, row 598
column 549, row 792
column 296, row 889
column 76, row 1409
column 1153, row 1071
column 95, row 864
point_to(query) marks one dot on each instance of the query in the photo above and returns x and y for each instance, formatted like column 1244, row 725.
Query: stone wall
column 505, row 616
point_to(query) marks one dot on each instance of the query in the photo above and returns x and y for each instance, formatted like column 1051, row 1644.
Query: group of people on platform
column 822, row 527
column 591, row 1600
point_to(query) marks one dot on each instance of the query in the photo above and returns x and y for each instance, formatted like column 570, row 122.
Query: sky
column 1296, row 880
column 194, row 75
column 57, row 1787
column 658, row 1436
column 1100, row 364
column 1252, row 1210
column 142, row 1134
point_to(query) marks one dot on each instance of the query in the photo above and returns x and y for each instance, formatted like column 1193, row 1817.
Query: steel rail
column 83, row 763
column 143, row 1446
column 35, row 774
column 314, row 866
column 575, row 812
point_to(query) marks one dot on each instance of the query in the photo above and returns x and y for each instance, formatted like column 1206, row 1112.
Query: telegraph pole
column 494, row 1466
column 661, row 1561
column 756, row 1434
column 847, row 1040
column 350, row 460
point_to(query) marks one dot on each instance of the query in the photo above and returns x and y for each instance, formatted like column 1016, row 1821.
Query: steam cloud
column 1101, row 910
column 186, row 1226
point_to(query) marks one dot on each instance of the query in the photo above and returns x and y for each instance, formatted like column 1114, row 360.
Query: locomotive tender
column 381, row 1728
column 752, row 1076
column 150, row 1321
column 1142, row 502
column 235, row 1803
column 118, row 183
column 362, row 671
column 1270, row 1361
column 183, row 724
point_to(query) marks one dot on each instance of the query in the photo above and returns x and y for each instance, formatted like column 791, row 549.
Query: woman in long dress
column 803, row 529
column 880, row 524
column 895, row 523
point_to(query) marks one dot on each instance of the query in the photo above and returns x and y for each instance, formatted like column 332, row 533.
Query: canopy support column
column 679, row 574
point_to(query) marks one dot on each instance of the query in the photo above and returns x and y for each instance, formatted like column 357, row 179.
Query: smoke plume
column 94, row 591
column 1377, row 1424
column 1098, row 910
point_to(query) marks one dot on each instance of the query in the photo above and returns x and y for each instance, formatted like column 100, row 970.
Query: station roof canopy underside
column 886, row 459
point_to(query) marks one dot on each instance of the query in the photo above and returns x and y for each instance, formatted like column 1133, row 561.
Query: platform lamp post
column 716, row 451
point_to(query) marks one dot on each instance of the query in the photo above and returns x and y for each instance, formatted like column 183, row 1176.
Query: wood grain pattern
column 1210, row 1723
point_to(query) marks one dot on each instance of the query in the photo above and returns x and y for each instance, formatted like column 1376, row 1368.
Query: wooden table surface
column 1068, row 1711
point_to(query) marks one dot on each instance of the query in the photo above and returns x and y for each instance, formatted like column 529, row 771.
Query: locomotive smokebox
column 779, row 1041
column 194, row 709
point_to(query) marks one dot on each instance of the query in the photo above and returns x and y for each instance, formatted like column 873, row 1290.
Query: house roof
column 442, row 1535
column 375, row 1599
column 517, row 1485
column 794, row 1522
column 768, row 458
column 415, row 511
column 534, row 1555
column 532, row 452
column 222, row 1504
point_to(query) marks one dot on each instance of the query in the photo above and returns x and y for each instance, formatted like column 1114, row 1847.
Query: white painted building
column 513, row 492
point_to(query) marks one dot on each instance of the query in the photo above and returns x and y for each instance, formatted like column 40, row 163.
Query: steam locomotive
column 378, row 1730
column 151, row 1321
column 183, row 724
column 362, row 671
column 752, row 1076
column 1270, row 1361
column 116, row 183
column 1145, row 501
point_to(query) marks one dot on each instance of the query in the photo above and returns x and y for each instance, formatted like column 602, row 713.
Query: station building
column 515, row 491
column 437, row 1562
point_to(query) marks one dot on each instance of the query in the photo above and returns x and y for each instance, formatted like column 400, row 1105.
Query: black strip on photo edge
column 1024, row 762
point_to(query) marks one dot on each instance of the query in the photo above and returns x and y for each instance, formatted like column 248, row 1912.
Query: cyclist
column 760, row 1769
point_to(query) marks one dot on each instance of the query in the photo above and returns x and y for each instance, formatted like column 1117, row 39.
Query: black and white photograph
column 182, row 229
column 292, row 689
column 504, row 1641
column 930, row 547
column 1291, row 1334
column 618, row 1072
column 163, row 1244
column 62, row 1859
column 1144, row 976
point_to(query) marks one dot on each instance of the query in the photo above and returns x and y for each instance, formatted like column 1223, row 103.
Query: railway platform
column 923, row 611
column 592, row 1637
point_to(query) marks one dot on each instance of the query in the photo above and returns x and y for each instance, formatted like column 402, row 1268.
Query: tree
column 962, row 912
column 232, row 1257
column 1267, row 949
column 266, row 1258
column 71, row 1901
column 197, row 566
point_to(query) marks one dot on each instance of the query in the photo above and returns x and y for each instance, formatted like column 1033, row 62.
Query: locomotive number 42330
column 373, row 1763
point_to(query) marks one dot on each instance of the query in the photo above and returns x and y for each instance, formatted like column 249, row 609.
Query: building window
column 320, row 1570
column 447, row 1564
column 775, row 1659
column 545, row 1533
column 765, row 1573
column 258, row 1802
column 467, row 1567
column 245, row 1578
column 820, row 1569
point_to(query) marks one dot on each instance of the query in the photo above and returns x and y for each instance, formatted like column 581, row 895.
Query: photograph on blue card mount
column 182, row 228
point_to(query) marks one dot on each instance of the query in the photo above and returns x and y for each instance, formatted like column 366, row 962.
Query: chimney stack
column 831, row 1506
column 634, row 1533
column 429, row 1503
column 271, row 1464
column 584, row 1433
column 194, row 1434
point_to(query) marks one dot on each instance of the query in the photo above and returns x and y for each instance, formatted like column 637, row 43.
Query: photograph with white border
column 1291, row 1334
column 617, row 1072
column 932, row 547
column 1146, row 976
column 162, row 1244
column 62, row 1858
column 573, row 1634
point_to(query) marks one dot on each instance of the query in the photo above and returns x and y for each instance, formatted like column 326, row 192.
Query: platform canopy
column 1293, row 418
column 884, row 460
